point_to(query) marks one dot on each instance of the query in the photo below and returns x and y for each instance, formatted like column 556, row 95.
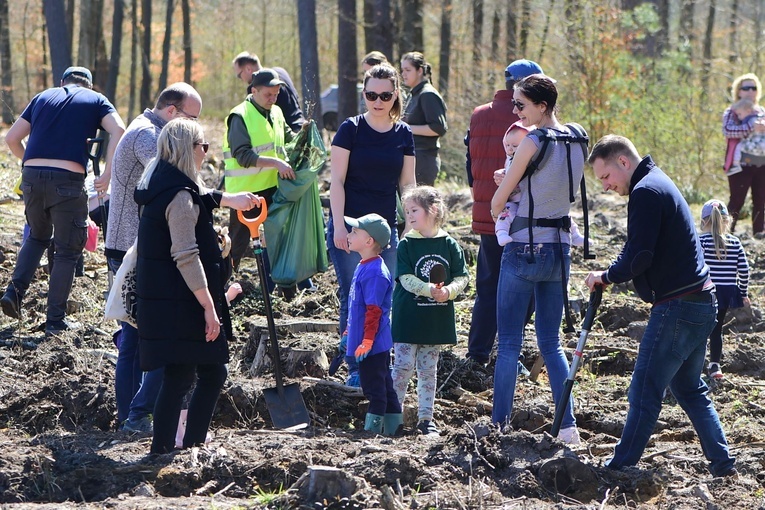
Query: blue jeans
column 135, row 391
column 483, row 326
column 672, row 353
column 519, row 281
column 345, row 265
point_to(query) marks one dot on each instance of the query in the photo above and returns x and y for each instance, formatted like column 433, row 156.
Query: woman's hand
column 212, row 324
column 341, row 237
column 242, row 201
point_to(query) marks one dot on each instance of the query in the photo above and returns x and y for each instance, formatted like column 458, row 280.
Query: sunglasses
column 518, row 105
column 748, row 87
column 205, row 145
column 372, row 96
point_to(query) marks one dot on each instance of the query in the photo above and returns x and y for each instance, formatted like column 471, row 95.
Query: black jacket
column 662, row 255
column 171, row 322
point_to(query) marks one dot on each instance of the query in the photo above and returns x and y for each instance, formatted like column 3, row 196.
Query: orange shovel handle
column 253, row 224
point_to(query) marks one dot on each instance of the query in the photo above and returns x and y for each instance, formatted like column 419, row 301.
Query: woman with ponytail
column 425, row 112
column 729, row 271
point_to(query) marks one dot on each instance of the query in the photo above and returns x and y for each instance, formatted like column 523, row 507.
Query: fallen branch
column 224, row 489
column 475, row 446
column 389, row 501
column 660, row 453
column 350, row 390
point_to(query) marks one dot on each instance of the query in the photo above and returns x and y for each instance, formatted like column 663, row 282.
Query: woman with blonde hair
column 749, row 135
column 183, row 319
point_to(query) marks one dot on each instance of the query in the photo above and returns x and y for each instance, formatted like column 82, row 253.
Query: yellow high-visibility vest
column 266, row 140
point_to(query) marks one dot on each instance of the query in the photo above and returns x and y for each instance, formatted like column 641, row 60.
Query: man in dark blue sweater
column 664, row 259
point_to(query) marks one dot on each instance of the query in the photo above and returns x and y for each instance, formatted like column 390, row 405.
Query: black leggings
column 715, row 338
column 176, row 383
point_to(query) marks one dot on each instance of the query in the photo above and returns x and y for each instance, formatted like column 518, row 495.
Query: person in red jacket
column 485, row 155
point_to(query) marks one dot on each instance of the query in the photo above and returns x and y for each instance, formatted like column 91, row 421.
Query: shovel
column 285, row 403
column 589, row 318
column 437, row 274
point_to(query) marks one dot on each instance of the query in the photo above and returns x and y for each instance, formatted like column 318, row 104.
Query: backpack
column 578, row 136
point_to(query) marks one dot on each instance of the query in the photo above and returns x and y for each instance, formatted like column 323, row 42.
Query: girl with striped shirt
column 729, row 271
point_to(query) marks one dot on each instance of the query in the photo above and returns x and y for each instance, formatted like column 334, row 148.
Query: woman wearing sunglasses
column 183, row 319
column 425, row 112
column 372, row 157
column 748, row 136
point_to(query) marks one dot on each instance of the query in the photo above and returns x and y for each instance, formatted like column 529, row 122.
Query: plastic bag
column 295, row 224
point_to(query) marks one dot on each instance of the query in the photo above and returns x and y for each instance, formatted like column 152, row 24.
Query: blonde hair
column 175, row 145
column 734, row 89
column 430, row 199
column 718, row 224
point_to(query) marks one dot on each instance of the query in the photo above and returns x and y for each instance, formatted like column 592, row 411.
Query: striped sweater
column 733, row 269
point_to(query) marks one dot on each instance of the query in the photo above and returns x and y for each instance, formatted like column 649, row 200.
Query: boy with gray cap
column 369, row 336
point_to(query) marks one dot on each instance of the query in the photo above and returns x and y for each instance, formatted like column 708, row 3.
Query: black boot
column 11, row 302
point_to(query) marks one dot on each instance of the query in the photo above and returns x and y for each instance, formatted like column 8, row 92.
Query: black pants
column 176, row 383
column 377, row 384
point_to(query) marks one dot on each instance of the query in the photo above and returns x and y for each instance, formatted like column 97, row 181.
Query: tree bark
column 733, row 36
column 525, row 26
column 411, row 35
column 445, row 52
column 188, row 56
column 166, row 46
column 477, row 34
column 707, row 64
column 511, row 30
column 145, row 98
column 309, row 61
column 5, row 64
column 101, row 67
column 687, row 37
column 70, row 21
column 347, row 58
column 378, row 27
column 114, row 62
column 546, row 30
column 133, row 57
column 58, row 39
column 495, row 28
column 86, row 47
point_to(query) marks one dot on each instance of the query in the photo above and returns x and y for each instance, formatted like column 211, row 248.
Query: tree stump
column 310, row 362
column 326, row 483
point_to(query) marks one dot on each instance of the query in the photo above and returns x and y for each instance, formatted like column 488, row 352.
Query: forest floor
column 59, row 447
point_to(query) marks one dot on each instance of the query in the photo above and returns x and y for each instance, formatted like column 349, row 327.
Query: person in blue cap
column 59, row 122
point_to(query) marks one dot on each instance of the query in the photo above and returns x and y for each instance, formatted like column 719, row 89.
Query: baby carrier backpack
column 577, row 136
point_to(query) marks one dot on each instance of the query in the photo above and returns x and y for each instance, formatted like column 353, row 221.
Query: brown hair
column 430, row 199
column 385, row 71
column 418, row 61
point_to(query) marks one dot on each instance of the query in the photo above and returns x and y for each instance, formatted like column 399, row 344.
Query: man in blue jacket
column 664, row 259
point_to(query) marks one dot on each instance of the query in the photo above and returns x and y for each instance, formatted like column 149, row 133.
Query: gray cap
column 374, row 225
column 84, row 72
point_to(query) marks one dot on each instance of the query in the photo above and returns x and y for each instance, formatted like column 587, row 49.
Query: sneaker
column 714, row 371
column 731, row 473
column 11, row 302
column 53, row 328
column 570, row 436
column 428, row 428
column 143, row 425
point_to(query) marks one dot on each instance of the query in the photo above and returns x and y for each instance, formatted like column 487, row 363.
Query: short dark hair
column 76, row 79
column 373, row 58
column 611, row 147
column 539, row 89
column 175, row 95
column 246, row 58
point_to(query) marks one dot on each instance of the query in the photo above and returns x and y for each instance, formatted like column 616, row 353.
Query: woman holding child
column 543, row 277
column 744, row 128
column 183, row 320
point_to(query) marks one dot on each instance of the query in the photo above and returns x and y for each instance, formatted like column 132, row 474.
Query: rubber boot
column 374, row 423
column 393, row 424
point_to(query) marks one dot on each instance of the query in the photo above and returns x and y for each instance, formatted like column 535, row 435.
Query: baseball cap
column 77, row 71
column 374, row 225
column 520, row 69
column 706, row 210
column 265, row 78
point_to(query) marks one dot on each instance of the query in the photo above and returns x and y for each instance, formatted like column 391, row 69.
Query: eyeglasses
column 239, row 74
column 372, row 96
column 749, row 87
column 205, row 145
column 518, row 105
column 187, row 115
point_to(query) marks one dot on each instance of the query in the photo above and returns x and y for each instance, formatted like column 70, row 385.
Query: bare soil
column 59, row 447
